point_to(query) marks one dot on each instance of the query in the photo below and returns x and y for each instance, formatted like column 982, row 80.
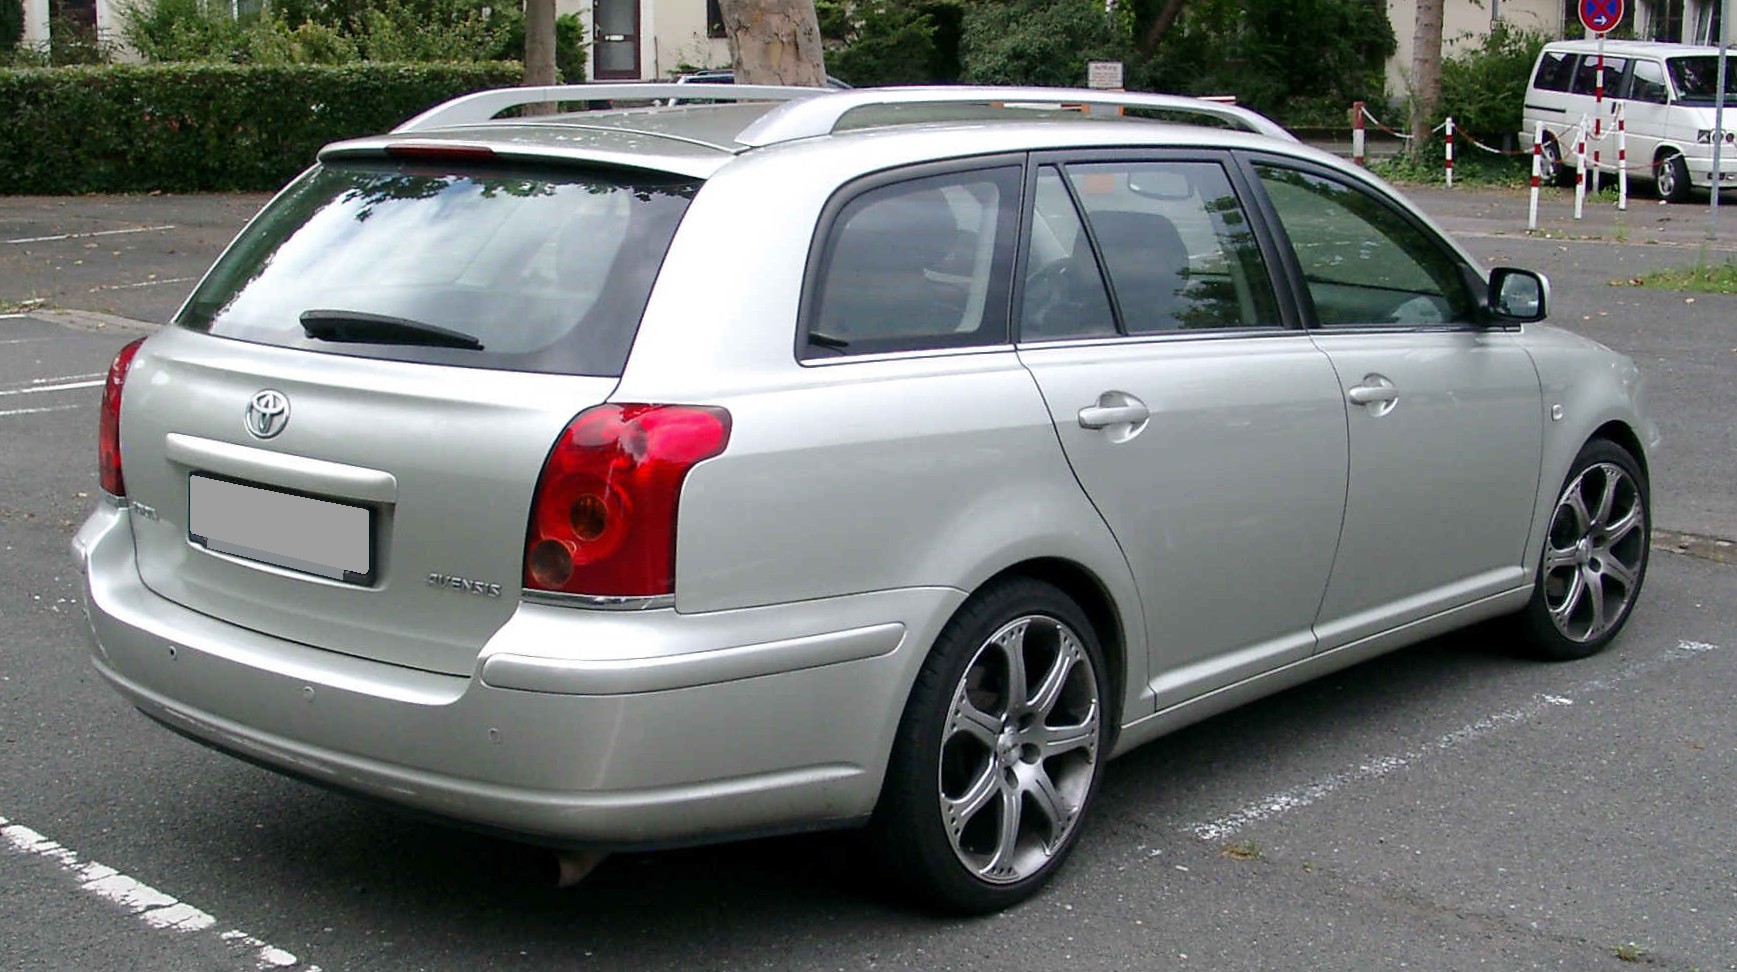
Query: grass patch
column 1629, row 952
column 1476, row 170
column 1703, row 277
column 1243, row 850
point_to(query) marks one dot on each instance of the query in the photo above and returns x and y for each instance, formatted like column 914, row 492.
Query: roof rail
column 809, row 117
column 482, row 106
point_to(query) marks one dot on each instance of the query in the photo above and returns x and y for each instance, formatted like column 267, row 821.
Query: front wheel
column 1595, row 555
column 1672, row 173
column 998, row 754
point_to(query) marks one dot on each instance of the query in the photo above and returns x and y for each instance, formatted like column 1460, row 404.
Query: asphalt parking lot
column 1446, row 807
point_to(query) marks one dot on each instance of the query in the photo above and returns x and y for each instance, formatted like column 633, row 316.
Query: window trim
column 1474, row 284
column 819, row 250
column 1290, row 318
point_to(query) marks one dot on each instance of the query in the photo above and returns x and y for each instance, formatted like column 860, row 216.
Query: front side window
column 1173, row 241
column 918, row 265
column 1363, row 262
column 1697, row 79
column 517, row 268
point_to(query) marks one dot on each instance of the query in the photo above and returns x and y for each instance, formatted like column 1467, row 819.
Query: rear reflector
column 603, row 520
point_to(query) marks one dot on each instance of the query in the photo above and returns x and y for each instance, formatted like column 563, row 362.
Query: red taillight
column 604, row 515
column 109, row 426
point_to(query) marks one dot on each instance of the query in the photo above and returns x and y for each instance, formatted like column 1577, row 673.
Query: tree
column 1425, row 71
column 540, row 49
column 774, row 41
column 1160, row 25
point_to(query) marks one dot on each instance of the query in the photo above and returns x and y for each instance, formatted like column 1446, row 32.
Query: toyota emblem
column 267, row 414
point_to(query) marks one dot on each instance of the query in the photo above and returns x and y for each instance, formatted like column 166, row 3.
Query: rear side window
column 524, row 269
column 1555, row 71
column 1586, row 77
column 1648, row 82
column 917, row 265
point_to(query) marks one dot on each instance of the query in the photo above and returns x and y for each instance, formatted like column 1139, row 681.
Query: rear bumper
column 578, row 727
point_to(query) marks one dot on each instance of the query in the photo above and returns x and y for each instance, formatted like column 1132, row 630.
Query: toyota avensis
column 651, row 476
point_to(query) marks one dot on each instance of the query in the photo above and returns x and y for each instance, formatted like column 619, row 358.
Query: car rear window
column 523, row 269
column 1555, row 71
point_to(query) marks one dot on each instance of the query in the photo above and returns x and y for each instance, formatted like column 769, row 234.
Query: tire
column 1672, row 174
column 1594, row 556
column 1551, row 170
column 992, row 773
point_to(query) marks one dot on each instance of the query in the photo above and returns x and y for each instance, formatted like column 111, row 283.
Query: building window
column 714, row 19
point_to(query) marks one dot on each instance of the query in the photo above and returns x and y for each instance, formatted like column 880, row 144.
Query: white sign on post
column 1104, row 75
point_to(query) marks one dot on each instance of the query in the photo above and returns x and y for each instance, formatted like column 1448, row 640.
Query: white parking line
column 144, row 283
column 82, row 236
column 153, row 907
column 33, row 411
column 1298, row 797
column 63, row 386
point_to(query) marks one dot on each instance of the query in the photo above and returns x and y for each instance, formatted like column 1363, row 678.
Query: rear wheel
column 1595, row 555
column 998, row 754
column 1672, row 174
column 1551, row 170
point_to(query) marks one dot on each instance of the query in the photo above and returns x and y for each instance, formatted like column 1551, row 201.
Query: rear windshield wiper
column 355, row 327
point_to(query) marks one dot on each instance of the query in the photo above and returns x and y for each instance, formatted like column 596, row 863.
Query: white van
column 1667, row 95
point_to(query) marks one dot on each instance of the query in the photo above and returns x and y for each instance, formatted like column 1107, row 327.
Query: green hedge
column 192, row 127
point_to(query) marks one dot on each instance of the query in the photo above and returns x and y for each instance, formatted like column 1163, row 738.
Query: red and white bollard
column 1357, row 132
column 1580, row 167
column 1450, row 152
column 1621, row 157
column 1598, row 115
column 1537, row 170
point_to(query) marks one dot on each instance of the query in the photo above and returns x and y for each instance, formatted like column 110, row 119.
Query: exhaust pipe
column 572, row 866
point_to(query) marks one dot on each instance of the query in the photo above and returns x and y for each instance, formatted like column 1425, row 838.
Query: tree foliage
column 1484, row 87
column 1042, row 42
column 1295, row 59
column 879, row 41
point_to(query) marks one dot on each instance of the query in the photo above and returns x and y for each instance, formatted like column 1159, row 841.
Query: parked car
column 1667, row 96
column 642, row 478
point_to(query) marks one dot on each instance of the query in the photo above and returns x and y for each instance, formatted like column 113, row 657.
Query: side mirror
column 1518, row 296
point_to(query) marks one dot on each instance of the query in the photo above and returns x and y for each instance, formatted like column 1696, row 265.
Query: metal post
column 1450, row 152
column 1621, row 155
column 1580, row 167
column 1357, row 132
column 1719, row 122
column 1598, row 113
column 1537, row 170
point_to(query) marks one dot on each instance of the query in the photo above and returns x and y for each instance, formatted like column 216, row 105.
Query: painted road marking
column 82, row 236
column 33, row 411
column 147, row 283
column 153, row 907
column 1297, row 797
column 63, row 386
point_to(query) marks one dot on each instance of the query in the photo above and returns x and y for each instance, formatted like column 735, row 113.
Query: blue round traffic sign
column 1601, row 16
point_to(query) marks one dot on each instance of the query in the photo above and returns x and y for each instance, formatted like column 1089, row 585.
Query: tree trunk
column 1159, row 27
column 1425, row 73
column 774, row 42
column 539, row 49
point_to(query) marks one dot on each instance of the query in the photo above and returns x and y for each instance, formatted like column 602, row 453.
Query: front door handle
column 1106, row 415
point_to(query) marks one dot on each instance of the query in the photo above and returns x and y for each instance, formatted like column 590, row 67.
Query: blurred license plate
column 283, row 529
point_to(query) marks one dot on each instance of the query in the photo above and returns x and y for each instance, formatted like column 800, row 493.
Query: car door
column 1645, row 113
column 1209, row 434
column 1444, row 414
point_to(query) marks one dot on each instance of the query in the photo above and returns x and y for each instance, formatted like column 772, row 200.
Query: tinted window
column 1697, row 78
column 521, row 269
column 1555, row 71
column 917, row 265
column 1647, row 82
column 1363, row 262
column 1064, row 289
column 1176, row 244
column 1586, row 77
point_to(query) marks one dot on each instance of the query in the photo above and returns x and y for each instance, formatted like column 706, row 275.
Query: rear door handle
column 1370, row 394
column 1103, row 416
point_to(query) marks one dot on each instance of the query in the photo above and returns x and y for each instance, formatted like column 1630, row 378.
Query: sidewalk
column 1646, row 222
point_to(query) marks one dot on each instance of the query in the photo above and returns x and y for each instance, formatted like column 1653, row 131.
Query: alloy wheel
column 1595, row 552
column 1019, row 749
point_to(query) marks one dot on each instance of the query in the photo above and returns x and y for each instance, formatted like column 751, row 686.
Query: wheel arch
column 1623, row 434
column 1085, row 589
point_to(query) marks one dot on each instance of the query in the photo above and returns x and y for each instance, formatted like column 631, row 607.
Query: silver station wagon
column 891, row 458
